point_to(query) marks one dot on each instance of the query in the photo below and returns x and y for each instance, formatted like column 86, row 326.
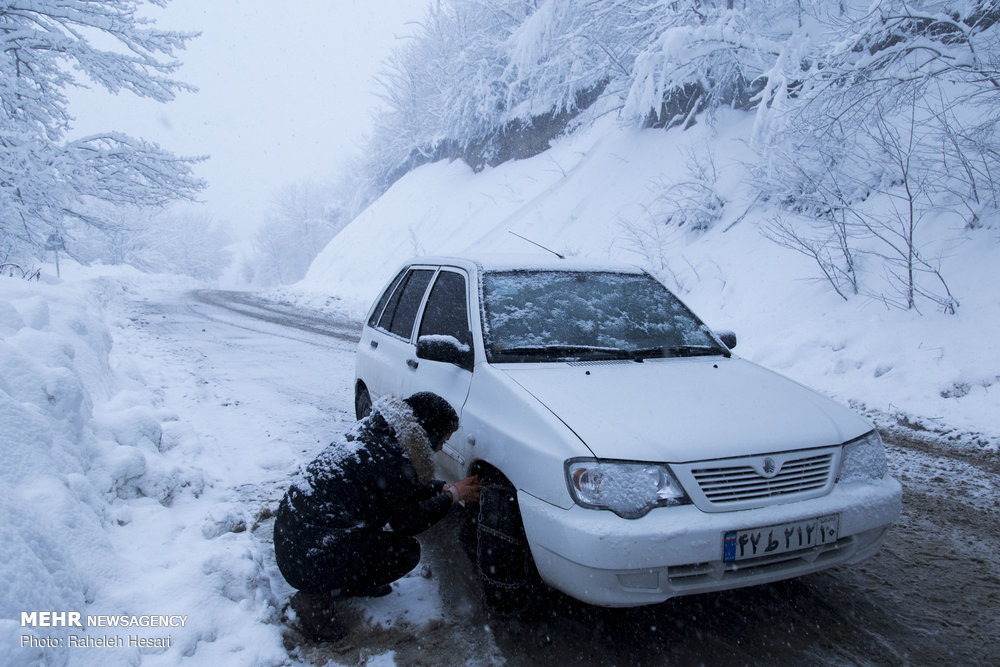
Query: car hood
column 682, row 410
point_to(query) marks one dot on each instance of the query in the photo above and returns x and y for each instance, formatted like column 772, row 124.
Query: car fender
column 512, row 431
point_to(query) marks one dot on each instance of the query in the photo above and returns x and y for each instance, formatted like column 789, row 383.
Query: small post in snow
column 55, row 243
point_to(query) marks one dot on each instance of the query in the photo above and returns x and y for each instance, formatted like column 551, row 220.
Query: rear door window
column 401, row 308
column 384, row 299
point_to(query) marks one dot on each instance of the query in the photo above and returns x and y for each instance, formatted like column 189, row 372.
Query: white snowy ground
column 600, row 194
column 142, row 445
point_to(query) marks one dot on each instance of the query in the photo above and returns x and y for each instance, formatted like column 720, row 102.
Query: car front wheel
column 362, row 402
column 503, row 558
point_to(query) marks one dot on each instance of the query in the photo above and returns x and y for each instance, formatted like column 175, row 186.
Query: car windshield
column 587, row 315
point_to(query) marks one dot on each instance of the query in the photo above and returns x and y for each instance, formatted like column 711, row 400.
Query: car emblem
column 770, row 468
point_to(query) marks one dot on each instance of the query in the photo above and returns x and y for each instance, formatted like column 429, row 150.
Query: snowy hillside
column 603, row 193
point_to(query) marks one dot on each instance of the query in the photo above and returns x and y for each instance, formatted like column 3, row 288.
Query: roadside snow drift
column 145, row 444
column 98, row 504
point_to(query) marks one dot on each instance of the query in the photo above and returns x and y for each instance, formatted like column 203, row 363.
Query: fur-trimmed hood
column 409, row 434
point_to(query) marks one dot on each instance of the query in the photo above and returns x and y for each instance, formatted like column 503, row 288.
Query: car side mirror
column 727, row 337
column 447, row 349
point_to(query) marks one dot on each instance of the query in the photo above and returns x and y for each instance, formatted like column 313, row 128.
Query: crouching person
column 345, row 528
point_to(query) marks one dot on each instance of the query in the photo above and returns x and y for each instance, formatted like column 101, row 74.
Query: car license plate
column 770, row 540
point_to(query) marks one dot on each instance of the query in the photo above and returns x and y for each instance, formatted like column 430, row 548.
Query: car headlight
column 626, row 488
column 864, row 459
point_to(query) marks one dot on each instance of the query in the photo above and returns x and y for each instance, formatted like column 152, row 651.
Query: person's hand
column 464, row 490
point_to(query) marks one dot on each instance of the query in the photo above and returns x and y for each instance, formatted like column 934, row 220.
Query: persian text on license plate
column 770, row 540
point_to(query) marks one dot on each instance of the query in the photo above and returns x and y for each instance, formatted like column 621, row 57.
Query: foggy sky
column 284, row 94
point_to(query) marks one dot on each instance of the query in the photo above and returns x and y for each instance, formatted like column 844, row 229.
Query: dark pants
column 355, row 563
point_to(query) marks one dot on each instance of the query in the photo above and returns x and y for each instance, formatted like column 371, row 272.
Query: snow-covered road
column 264, row 388
column 254, row 399
column 260, row 395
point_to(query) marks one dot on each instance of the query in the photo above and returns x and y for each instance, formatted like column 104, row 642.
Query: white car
column 630, row 456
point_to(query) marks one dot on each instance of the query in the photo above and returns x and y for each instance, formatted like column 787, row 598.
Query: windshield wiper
column 595, row 352
column 565, row 351
column 678, row 351
column 694, row 351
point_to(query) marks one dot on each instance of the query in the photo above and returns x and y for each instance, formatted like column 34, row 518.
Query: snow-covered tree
column 876, row 121
column 152, row 240
column 46, row 180
column 873, row 120
column 490, row 80
column 444, row 89
column 302, row 219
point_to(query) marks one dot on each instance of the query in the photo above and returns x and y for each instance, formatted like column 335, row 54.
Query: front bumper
column 600, row 558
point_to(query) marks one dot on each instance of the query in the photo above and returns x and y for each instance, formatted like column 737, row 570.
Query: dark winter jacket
column 360, row 485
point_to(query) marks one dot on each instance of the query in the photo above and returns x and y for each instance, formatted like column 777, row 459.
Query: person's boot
column 315, row 614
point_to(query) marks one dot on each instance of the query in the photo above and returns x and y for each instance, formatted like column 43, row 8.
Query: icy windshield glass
column 586, row 315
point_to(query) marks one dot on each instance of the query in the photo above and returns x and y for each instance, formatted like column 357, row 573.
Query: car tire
column 362, row 402
column 503, row 558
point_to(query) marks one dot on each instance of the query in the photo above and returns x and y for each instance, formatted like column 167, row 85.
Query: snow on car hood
column 689, row 409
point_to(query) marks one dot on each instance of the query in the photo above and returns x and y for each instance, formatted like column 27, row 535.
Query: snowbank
column 101, row 512
column 601, row 194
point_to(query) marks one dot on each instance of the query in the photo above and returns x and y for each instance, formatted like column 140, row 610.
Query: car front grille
column 756, row 481
column 724, row 485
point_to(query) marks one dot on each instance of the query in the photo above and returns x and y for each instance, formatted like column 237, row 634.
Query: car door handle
column 412, row 363
column 374, row 344
column 453, row 453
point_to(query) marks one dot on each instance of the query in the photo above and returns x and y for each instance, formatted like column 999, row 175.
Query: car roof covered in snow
column 529, row 262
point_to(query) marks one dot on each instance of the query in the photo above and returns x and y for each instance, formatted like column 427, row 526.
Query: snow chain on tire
column 502, row 550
